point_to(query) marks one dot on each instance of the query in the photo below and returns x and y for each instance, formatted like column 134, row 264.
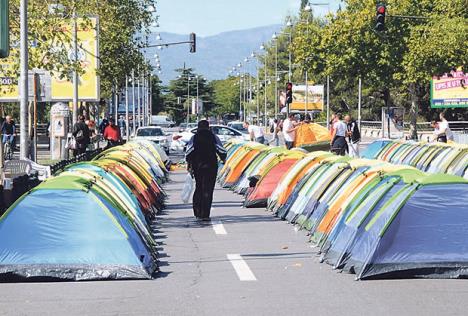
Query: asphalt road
column 245, row 262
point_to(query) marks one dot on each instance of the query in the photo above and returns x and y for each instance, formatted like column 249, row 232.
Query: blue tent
column 84, row 240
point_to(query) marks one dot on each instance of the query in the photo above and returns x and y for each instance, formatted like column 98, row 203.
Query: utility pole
column 75, row 60
column 265, row 118
column 307, row 91
column 276, row 80
column 150, row 103
column 328, row 102
column 138, row 99
column 127, row 122
column 359, row 103
column 24, row 88
column 133, row 103
column 188, row 98
column 240, row 97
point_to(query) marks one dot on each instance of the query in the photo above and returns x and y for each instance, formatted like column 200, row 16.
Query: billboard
column 314, row 100
column 61, row 89
column 450, row 90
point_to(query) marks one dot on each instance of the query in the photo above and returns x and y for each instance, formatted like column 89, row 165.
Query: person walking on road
column 112, row 134
column 443, row 133
column 338, row 143
column 122, row 125
column 275, row 129
column 255, row 132
column 289, row 130
column 202, row 155
column 354, row 136
column 81, row 135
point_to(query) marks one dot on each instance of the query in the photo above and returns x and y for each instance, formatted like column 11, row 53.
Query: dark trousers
column 205, row 180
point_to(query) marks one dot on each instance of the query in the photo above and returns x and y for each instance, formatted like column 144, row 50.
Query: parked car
column 161, row 121
column 154, row 134
column 239, row 126
column 224, row 133
column 184, row 126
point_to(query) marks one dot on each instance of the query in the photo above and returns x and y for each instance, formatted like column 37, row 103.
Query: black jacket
column 83, row 141
column 203, row 149
column 354, row 129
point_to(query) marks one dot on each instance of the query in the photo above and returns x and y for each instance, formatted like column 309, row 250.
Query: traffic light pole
column 24, row 88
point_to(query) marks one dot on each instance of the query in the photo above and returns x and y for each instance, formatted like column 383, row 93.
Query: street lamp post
column 127, row 128
column 24, row 88
column 133, row 103
column 276, row 74
column 75, row 60
column 188, row 99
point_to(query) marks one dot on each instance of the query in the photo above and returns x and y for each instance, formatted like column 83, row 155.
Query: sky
column 210, row 17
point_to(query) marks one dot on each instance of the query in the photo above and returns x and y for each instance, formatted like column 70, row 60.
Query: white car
column 154, row 134
column 223, row 132
column 239, row 126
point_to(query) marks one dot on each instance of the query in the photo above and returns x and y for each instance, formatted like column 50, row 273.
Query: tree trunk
column 413, row 132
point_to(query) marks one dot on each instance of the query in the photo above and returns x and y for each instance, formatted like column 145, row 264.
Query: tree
column 225, row 95
column 184, row 89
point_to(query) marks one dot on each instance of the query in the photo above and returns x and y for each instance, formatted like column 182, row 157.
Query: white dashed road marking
column 218, row 227
column 242, row 269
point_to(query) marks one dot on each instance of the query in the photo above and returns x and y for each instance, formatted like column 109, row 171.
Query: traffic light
column 289, row 93
column 380, row 17
column 193, row 42
column 4, row 29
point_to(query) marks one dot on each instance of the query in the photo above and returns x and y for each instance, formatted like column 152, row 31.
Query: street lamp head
column 274, row 36
column 289, row 23
column 150, row 8
column 156, row 56
column 155, row 24
column 246, row 60
column 307, row 8
column 262, row 47
column 158, row 37
column 252, row 55
column 159, row 47
column 239, row 65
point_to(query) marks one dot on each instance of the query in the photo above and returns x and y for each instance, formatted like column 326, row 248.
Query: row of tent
column 428, row 157
column 90, row 222
column 367, row 217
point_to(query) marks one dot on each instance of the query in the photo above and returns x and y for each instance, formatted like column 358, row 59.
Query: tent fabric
column 310, row 134
column 369, row 216
column 428, row 157
column 90, row 222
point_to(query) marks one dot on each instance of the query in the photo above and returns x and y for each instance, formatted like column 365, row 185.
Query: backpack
column 272, row 128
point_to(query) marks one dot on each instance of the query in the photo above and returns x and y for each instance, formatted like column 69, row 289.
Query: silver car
column 154, row 134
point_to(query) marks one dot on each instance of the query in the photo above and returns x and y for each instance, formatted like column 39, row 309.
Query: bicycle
column 8, row 147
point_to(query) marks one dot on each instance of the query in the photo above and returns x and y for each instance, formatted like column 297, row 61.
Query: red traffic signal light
column 380, row 17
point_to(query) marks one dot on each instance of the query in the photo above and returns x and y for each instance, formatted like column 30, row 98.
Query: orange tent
column 308, row 134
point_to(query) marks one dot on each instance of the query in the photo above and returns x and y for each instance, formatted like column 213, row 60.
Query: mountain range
column 215, row 54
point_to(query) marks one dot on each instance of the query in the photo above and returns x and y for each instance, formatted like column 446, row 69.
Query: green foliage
column 185, row 90
column 395, row 66
column 119, row 22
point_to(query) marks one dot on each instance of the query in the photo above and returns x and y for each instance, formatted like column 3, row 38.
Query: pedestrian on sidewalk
column 81, row 135
column 354, row 136
column 338, row 143
column 112, row 134
column 202, row 155
column 290, row 125
column 275, row 129
column 443, row 132
column 255, row 132
column 122, row 125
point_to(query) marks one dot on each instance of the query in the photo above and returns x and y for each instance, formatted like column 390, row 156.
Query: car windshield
column 150, row 132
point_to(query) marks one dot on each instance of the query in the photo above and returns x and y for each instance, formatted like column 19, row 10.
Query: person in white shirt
column 443, row 133
column 255, row 132
column 338, row 144
column 289, row 130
